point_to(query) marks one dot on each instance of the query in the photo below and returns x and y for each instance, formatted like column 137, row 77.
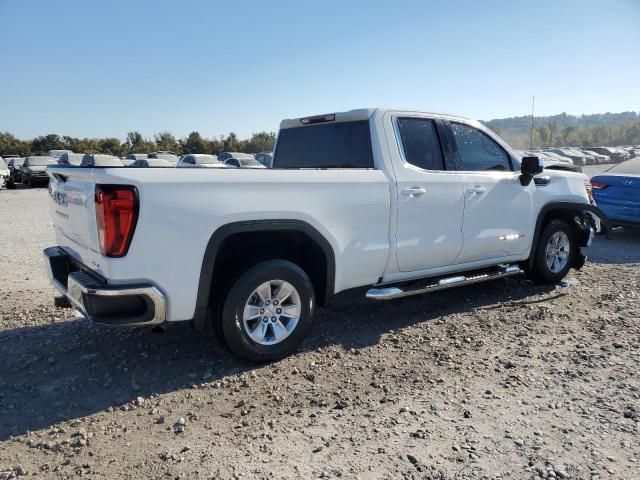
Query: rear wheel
column 268, row 311
column 554, row 253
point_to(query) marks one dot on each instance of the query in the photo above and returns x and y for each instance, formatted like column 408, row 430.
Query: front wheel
column 268, row 311
column 554, row 253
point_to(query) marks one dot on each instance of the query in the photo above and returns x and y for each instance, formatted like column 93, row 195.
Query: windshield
column 39, row 161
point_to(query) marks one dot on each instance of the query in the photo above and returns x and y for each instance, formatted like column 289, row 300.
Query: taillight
column 116, row 216
column 598, row 185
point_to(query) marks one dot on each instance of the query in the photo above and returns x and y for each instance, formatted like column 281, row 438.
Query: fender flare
column 572, row 207
column 201, row 314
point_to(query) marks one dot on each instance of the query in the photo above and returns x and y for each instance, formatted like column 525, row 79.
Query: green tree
column 135, row 142
column 261, row 142
column 543, row 134
column 553, row 132
column 111, row 146
column 10, row 145
column 231, row 143
column 194, row 143
column 167, row 142
column 565, row 135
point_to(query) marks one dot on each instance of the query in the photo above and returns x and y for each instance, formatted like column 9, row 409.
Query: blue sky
column 103, row 68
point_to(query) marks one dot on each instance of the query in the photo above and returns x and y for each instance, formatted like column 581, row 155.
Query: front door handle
column 414, row 191
column 477, row 189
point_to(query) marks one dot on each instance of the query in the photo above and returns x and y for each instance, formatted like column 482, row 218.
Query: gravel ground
column 503, row 380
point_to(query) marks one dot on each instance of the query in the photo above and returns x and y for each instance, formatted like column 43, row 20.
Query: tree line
column 559, row 130
column 137, row 143
column 551, row 134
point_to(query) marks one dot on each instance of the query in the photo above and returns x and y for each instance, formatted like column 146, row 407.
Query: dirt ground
column 503, row 380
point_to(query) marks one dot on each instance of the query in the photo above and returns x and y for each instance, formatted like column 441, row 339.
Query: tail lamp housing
column 598, row 185
column 117, row 208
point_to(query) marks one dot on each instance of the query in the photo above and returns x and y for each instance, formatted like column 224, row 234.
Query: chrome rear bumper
column 100, row 302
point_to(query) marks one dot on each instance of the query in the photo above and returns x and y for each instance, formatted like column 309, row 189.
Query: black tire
column 233, row 330
column 541, row 272
column 11, row 185
column 29, row 182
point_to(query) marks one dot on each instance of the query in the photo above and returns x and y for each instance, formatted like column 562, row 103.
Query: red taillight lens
column 598, row 185
column 116, row 216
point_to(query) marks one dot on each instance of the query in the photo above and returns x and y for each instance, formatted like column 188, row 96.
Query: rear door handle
column 477, row 189
column 414, row 191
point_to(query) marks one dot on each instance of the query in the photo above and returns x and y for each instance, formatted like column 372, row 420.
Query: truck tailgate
column 72, row 205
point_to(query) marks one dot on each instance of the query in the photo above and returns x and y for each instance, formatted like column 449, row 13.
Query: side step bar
column 389, row 293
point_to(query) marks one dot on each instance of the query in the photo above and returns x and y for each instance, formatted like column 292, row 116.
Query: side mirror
column 530, row 166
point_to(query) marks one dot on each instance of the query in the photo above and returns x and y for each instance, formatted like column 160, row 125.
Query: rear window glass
column 421, row 143
column 327, row 145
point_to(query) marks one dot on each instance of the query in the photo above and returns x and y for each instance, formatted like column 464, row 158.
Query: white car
column 149, row 163
column 5, row 175
column 168, row 156
column 400, row 202
column 58, row 153
column 200, row 160
column 236, row 162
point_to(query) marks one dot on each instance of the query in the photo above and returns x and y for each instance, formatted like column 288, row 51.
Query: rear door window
column 477, row 151
column 421, row 143
column 326, row 145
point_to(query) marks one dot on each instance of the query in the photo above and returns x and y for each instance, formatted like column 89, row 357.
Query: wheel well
column 242, row 249
column 566, row 214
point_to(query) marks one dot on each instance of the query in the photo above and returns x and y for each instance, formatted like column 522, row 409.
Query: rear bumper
column 100, row 302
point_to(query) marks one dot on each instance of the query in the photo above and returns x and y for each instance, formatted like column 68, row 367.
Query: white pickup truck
column 403, row 202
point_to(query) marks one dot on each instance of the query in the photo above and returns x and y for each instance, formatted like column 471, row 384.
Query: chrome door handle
column 477, row 189
column 414, row 191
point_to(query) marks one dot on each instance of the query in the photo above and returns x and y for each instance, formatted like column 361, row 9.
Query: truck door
column 430, row 198
column 498, row 210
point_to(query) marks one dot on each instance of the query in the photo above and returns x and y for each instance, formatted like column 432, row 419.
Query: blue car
column 617, row 193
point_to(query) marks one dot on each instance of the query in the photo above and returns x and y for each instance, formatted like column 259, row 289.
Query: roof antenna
column 533, row 103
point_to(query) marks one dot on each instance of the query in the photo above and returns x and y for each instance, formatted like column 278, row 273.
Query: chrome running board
column 442, row 283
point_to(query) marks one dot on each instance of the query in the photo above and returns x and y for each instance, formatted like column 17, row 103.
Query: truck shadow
column 62, row 371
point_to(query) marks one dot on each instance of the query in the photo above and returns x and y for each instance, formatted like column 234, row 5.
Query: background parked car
column 551, row 160
column 265, row 158
column 617, row 193
column 168, row 156
column 243, row 160
column 58, row 153
column 614, row 154
column 200, row 160
column 224, row 156
column 137, row 156
column 5, row 175
column 34, row 170
column 150, row 163
column 578, row 158
column 15, row 169
column 71, row 159
column 101, row 161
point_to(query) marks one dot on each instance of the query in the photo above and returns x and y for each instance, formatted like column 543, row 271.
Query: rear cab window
column 421, row 143
column 325, row 145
